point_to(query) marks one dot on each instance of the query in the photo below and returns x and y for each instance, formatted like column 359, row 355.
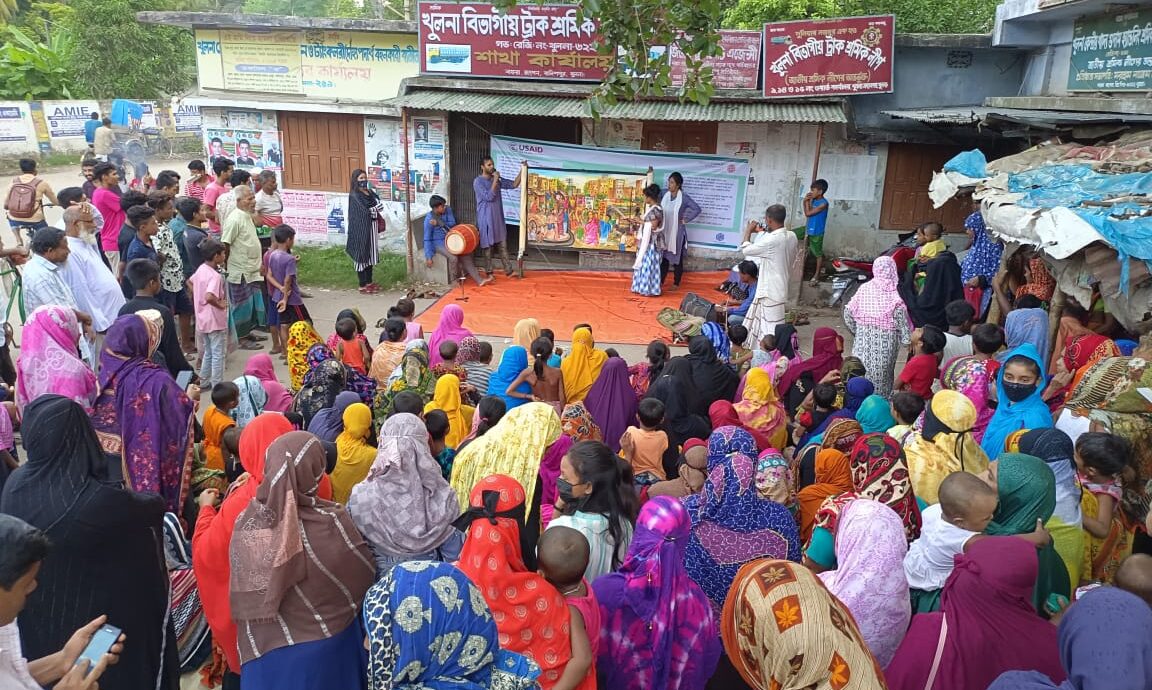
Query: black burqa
column 674, row 388
column 107, row 554
column 942, row 285
column 714, row 380
column 361, row 243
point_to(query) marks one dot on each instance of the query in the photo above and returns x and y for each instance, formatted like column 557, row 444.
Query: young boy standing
column 816, row 211
column 283, row 287
column 211, row 305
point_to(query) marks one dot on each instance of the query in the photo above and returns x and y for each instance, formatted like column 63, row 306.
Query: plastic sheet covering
column 968, row 163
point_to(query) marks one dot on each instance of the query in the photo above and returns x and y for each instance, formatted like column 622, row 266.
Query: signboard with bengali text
column 737, row 68
column 526, row 42
column 829, row 57
column 1112, row 53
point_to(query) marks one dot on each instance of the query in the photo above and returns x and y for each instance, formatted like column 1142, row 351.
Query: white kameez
column 774, row 251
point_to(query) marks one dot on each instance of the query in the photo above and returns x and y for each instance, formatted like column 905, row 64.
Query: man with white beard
column 94, row 286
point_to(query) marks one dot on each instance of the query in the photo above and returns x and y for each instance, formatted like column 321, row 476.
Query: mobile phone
column 100, row 644
column 183, row 379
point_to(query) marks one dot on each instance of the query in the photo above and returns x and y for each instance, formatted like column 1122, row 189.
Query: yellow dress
column 354, row 455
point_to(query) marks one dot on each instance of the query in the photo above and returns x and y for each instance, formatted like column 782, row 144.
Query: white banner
column 717, row 184
column 66, row 118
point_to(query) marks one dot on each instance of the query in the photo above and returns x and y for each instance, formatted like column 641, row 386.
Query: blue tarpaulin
column 969, row 164
column 124, row 112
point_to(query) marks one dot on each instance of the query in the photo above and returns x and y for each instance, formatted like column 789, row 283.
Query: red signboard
column 526, row 42
column 828, row 57
column 737, row 68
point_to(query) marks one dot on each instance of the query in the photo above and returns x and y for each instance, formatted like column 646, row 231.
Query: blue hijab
column 1026, row 326
column 719, row 339
column 512, row 363
column 1030, row 413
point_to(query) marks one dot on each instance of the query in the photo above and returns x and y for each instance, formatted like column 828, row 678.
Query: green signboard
column 1112, row 52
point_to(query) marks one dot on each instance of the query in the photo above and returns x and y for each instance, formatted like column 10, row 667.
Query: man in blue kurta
column 490, row 212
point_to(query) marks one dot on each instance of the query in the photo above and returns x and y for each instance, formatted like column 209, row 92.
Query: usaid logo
column 527, row 148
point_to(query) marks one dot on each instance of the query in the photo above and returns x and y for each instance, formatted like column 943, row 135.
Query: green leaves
column 31, row 70
column 912, row 16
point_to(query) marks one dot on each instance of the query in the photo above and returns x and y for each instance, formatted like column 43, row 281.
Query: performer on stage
column 679, row 210
column 436, row 226
column 490, row 212
column 646, row 269
column 774, row 248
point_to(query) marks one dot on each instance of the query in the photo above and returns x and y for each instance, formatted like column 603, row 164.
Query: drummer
column 436, row 226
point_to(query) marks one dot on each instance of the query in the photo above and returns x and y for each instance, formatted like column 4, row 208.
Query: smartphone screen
column 183, row 379
column 100, row 643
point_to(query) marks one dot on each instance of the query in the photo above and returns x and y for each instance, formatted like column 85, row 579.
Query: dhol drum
column 462, row 239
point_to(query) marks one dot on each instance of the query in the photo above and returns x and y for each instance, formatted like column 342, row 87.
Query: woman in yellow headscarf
column 354, row 454
column 301, row 337
column 515, row 447
column 582, row 366
column 525, row 331
column 761, row 409
column 447, row 399
column 945, row 445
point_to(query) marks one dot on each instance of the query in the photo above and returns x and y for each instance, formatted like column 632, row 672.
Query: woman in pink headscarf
column 49, row 361
column 878, row 318
column 451, row 327
column 260, row 367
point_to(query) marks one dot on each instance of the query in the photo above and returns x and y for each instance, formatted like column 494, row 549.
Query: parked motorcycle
column 851, row 273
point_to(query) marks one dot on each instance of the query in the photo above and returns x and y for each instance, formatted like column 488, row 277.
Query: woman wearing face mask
column 945, row 445
column 1020, row 403
column 596, row 500
column 364, row 214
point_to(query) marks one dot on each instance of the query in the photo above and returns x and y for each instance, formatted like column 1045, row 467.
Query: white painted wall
column 17, row 134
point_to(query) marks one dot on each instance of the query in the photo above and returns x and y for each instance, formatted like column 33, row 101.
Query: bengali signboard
column 738, row 67
column 829, row 57
column 1112, row 53
column 526, row 42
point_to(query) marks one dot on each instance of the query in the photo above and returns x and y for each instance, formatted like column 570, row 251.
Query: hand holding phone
column 183, row 379
column 100, row 644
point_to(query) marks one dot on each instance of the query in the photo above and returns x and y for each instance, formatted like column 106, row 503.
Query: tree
column 9, row 9
column 912, row 16
column 115, row 56
column 31, row 70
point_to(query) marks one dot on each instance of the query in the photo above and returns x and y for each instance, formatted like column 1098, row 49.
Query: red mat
column 561, row 299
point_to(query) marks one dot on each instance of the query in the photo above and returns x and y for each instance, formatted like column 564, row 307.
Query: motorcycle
column 851, row 273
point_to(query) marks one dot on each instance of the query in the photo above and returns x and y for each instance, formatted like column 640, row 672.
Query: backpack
column 21, row 201
column 694, row 305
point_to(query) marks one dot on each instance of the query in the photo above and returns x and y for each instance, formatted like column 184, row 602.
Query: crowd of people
column 426, row 512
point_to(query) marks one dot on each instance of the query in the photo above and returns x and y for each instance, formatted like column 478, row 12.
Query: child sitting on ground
column 958, row 339
column 479, row 371
column 436, row 421
column 448, row 351
column 1104, row 464
column 406, row 310
column 823, row 404
column 557, row 352
column 644, row 447
column 740, row 357
column 350, row 349
column 923, row 369
column 906, row 409
column 217, row 418
column 964, row 511
column 562, row 557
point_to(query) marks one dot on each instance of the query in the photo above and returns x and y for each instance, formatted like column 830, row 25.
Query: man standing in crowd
column 191, row 215
column 90, row 128
column 168, row 182
column 679, row 210
column 43, row 279
column 92, row 285
column 198, row 179
column 269, row 206
column 86, row 168
column 174, row 291
column 106, row 199
column 490, row 212
column 144, row 277
column 25, row 200
column 103, row 140
column 774, row 248
column 215, row 189
column 245, row 301
column 226, row 202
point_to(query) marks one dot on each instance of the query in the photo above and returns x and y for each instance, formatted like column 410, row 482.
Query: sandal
column 250, row 345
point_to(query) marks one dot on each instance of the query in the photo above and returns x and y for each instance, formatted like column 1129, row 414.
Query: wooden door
column 680, row 137
column 321, row 150
column 905, row 203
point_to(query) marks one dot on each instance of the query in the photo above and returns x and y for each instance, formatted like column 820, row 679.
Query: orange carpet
column 561, row 299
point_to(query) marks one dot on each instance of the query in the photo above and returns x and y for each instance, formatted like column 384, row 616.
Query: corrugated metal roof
column 964, row 115
column 972, row 114
column 555, row 106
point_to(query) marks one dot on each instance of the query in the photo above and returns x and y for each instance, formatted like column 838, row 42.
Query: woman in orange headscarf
column 761, row 408
column 833, row 477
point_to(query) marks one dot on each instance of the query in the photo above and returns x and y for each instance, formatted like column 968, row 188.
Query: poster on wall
column 383, row 142
column 66, row 118
column 267, row 62
column 829, row 57
column 1112, row 52
column 248, row 149
column 718, row 184
column 307, row 213
column 583, row 209
column 737, row 66
column 12, row 127
column 187, row 118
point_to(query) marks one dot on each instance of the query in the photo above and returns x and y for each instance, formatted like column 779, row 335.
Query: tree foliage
column 31, row 70
column 912, row 16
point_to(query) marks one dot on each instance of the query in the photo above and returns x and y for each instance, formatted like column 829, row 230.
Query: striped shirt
column 594, row 527
column 478, row 376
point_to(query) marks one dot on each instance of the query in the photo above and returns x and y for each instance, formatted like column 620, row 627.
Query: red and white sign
column 738, row 67
column 829, row 57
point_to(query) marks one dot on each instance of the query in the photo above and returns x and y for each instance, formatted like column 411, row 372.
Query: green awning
column 560, row 106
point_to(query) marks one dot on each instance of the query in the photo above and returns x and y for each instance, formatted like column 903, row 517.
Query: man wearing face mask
column 86, row 271
column 1019, row 397
column 945, row 445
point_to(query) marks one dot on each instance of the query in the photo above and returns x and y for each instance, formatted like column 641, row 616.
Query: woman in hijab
column 782, row 629
column 577, row 424
column 493, row 561
column 458, row 647
column 760, row 408
column 774, row 479
column 723, row 413
column 405, row 508
column 675, row 389
column 840, row 435
column 716, row 334
column 972, row 376
column 260, row 367
column 1066, row 525
column 658, row 629
column 327, row 424
column 142, row 418
column 450, row 328
column 1019, row 389
column 869, row 576
column 301, row 338
column 300, row 570
column 731, row 523
column 612, row 402
column 987, row 624
column 512, row 363
column 387, row 355
column 833, row 477
column 525, row 332
column 325, row 380
column 1105, row 641
column 106, row 556
column 941, row 286
column 49, row 361
column 800, row 378
column 446, row 398
column 354, row 452
column 981, row 262
column 213, row 534
column 878, row 320
column 875, row 415
column 365, row 216
column 582, row 366
column 1027, row 323
column 945, row 445
column 253, row 399
column 1027, row 493
column 712, row 379
column 413, row 374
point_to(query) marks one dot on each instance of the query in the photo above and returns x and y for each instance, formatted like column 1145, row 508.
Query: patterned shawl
column 723, row 413
column 783, row 630
column 973, row 377
column 577, row 423
column 774, row 479
column 761, row 408
column 719, row 339
column 869, row 576
column 658, row 628
column 1040, row 283
column 951, row 450
column 49, row 361
column 253, row 399
column 428, row 627
column 879, row 473
column 301, row 337
column 299, row 566
column 1088, row 348
column 876, row 300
